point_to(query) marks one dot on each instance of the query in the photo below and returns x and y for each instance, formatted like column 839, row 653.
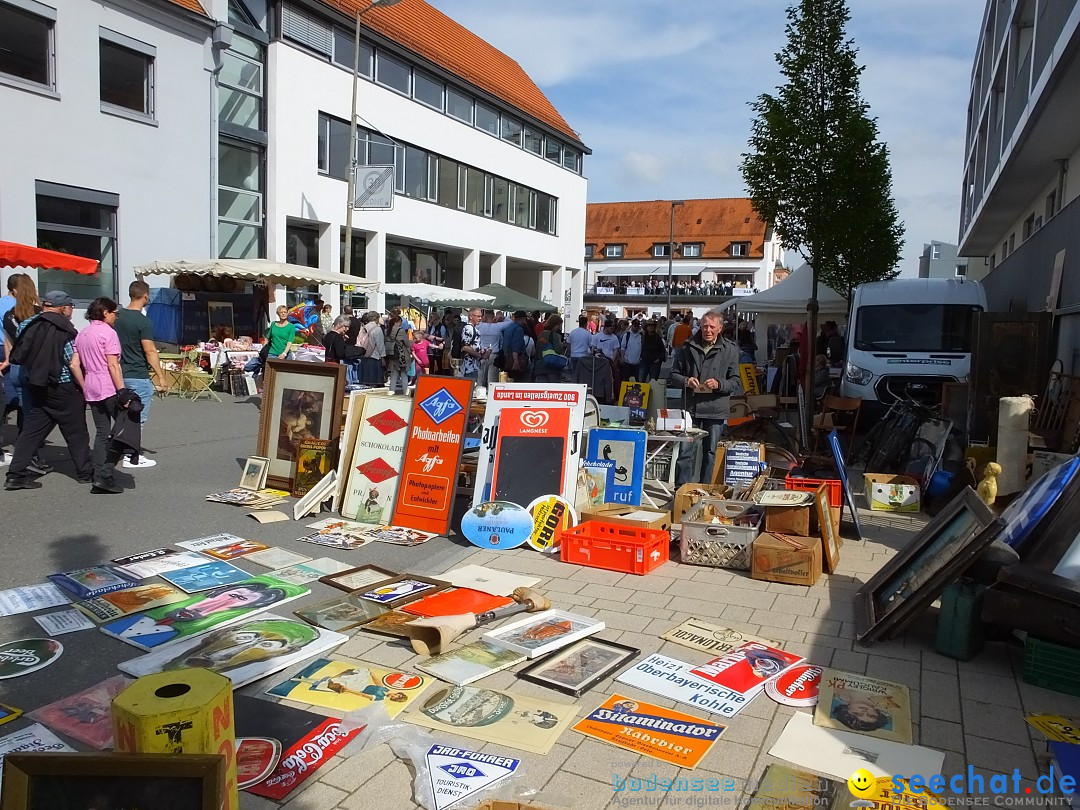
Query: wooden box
column 787, row 559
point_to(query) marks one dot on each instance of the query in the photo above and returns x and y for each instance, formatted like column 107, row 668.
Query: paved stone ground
column 973, row 711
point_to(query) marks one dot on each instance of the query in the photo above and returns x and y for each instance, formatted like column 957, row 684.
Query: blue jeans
column 145, row 390
column 253, row 365
column 684, row 467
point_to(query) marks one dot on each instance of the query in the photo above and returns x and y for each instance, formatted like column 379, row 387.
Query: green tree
column 816, row 170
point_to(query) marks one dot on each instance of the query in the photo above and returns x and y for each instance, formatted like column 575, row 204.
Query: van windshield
column 915, row 327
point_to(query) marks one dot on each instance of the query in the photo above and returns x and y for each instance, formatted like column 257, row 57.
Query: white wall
column 161, row 172
column 303, row 86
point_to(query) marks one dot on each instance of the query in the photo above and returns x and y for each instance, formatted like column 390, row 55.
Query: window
column 459, row 105
column 571, row 159
column 240, row 200
column 302, row 248
column 392, row 73
column 534, row 141
column 474, row 191
column 487, row 119
column 613, row 251
column 126, row 75
column 740, row 248
column 1005, row 250
column 961, row 268
column 915, row 327
column 589, row 251
column 663, row 250
column 448, row 182
column 334, row 157
column 81, row 222
column 428, row 90
column 935, row 251
column 416, row 172
column 545, row 216
column 299, row 26
column 1051, row 204
column 345, row 52
column 511, row 131
column 519, row 214
column 27, row 48
column 1012, row 241
column 500, row 207
column 357, row 299
column 691, row 250
column 553, row 150
column 241, row 84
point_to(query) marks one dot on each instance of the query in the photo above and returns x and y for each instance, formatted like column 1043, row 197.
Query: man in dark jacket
column 45, row 349
column 707, row 369
column 339, row 351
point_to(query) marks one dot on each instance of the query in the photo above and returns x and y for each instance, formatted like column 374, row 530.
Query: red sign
column 530, row 454
column 402, row 680
column 797, row 686
column 433, row 454
column 303, row 758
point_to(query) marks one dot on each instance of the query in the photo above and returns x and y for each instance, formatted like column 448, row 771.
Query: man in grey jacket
column 707, row 369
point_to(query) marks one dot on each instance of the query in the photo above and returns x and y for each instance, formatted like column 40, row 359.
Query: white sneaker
column 5, row 459
column 143, row 462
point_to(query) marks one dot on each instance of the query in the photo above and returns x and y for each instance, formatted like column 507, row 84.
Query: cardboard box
column 639, row 517
column 891, row 493
column 1042, row 461
column 689, row 495
column 788, row 559
column 797, row 520
column 673, row 420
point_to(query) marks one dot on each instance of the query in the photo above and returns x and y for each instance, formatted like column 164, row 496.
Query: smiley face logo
column 863, row 784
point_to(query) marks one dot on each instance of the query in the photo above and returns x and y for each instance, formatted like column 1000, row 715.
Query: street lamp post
column 347, row 267
column 671, row 251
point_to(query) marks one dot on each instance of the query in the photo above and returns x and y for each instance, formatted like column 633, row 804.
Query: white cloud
column 659, row 90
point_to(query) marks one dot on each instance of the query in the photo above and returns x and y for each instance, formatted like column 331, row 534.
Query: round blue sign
column 497, row 524
column 1023, row 515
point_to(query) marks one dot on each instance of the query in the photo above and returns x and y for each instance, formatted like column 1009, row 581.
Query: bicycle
column 897, row 439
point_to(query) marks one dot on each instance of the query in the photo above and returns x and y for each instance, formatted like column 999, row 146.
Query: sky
column 659, row 90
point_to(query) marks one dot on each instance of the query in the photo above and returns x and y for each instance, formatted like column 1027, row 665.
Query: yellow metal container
column 186, row 711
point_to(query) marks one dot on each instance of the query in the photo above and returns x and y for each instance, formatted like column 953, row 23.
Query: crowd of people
column 658, row 286
column 54, row 373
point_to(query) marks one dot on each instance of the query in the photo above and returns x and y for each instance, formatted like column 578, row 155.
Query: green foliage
column 817, row 171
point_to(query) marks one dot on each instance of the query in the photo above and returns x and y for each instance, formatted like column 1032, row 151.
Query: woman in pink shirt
column 98, row 350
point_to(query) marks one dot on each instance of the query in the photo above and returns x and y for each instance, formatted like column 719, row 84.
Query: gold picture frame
column 300, row 401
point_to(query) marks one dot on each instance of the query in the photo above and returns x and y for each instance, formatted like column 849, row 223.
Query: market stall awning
column 437, row 295
column 13, row 254
column 505, row 298
column 288, row 275
column 790, row 297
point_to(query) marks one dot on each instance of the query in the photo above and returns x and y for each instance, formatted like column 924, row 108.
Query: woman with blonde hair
column 27, row 305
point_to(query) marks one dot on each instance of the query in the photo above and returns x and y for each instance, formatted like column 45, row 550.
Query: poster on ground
column 865, row 705
column 346, row 687
column 673, row 680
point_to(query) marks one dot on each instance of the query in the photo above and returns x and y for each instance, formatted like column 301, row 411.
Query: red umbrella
column 16, row 255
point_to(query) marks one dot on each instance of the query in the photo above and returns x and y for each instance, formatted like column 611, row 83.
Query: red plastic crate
column 615, row 548
column 834, row 487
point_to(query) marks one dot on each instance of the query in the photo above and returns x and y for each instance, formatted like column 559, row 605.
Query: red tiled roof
column 716, row 223
column 191, row 5
column 428, row 32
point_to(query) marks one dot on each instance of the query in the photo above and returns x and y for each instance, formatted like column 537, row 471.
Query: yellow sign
column 1056, row 727
column 748, row 375
column 881, row 793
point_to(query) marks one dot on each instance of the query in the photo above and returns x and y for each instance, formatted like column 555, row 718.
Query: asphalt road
column 199, row 447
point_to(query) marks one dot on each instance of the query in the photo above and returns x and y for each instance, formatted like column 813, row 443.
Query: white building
column 1020, row 222
column 107, row 132
column 221, row 129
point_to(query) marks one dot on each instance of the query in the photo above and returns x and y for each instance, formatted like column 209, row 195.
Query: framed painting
column 830, row 538
column 356, row 578
column 254, row 475
column 930, row 561
column 579, row 667
column 300, row 401
column 45, row 781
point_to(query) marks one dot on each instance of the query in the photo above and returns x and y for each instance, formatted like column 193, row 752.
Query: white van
column 910, row 330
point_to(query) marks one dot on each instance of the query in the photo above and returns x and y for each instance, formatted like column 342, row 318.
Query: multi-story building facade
column 938, row 260
column 1020, row 220
column 714, row 249
column 188, row 130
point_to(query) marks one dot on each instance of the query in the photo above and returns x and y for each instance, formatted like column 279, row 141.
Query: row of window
column 393, row 72
column 689, row 250
column 425, row 175
column 28, row 56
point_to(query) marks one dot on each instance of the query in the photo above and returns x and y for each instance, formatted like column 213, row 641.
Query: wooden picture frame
column 42, row 780
column 253, row 477
column 404, row 599
column 545, row 673
column 300, row 401
column 830, row 537
column 927, row 564
column 347, row 580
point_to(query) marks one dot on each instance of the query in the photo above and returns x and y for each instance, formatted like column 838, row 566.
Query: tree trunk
column 807, row 415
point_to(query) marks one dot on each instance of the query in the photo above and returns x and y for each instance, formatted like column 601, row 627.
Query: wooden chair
column 833, row 404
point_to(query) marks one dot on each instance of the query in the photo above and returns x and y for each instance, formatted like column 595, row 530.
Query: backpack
column 455, row 341
column 363, row 340
column 402, row 352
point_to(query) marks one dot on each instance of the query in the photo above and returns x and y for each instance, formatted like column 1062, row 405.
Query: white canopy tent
column 785, row 303
column 430, row 294
column 287, row 275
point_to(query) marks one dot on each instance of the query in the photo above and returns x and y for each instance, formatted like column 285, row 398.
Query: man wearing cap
column 52, row 378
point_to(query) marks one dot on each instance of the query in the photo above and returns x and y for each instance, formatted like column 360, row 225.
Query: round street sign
column 797, row 686
column 30, row 654
column 497, row 524
column 551, row 515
